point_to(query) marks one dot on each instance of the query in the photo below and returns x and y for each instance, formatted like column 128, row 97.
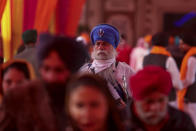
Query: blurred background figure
column 84, row 37
column 150, row 109
column 90, row 106
column 159, row 56
column 124, row 49
column 187, row 97
column 175, row 50
column 138, row 53
column 29, row 38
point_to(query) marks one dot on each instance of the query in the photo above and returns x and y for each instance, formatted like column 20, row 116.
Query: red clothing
column 124, row 51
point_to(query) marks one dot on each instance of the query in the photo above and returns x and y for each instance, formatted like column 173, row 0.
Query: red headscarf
column 148, row 80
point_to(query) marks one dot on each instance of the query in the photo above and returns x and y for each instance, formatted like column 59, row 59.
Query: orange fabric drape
column 2, row 7
column 74, row 14
column 159, row 50
column 17, row 23
column 6, row 31
column 44, row 12
column 183, row 70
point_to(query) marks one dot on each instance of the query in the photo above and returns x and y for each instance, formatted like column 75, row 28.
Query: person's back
column 159, row 56
column 29, row 52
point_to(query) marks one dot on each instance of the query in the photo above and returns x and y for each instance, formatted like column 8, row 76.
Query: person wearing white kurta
column 172, row 68
column 190, row 107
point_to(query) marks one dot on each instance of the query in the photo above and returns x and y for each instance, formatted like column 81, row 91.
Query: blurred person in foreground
column 43, row 104
column 150, row 110
column 90, row 106
column 13, row 73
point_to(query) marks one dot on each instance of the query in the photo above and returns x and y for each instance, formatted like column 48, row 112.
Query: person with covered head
column 187, row 97
column 150, row 110
column 159, row 56
column 105, row 39
column 28, row 49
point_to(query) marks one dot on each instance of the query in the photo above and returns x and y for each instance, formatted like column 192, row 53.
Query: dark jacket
column 178, row 121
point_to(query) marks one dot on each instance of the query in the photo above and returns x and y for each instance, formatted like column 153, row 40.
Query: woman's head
column 89, row 104
column 14, row 73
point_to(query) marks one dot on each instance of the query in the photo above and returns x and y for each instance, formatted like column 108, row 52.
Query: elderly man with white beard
column 105, row 39
column 149, row 110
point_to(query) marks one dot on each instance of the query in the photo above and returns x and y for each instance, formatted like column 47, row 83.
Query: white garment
column 172, row 68
column 190, row 108
column 122, row 70
column 191, row 71
column 136, row 58
column 100, row 65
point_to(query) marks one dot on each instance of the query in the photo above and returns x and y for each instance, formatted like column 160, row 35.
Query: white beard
column 103, row 55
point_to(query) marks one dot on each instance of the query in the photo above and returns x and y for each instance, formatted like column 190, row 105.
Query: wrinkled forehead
column 154, row 96
column 102, row 42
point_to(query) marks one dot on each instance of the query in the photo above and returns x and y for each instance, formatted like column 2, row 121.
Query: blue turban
column 105, row 32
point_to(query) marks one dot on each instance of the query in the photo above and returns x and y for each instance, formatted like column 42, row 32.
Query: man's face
column 153, row 108
column 103, row 51
column 53, row 69
column 184, row 47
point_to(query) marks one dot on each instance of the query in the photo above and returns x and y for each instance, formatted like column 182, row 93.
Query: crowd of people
column 55, row 83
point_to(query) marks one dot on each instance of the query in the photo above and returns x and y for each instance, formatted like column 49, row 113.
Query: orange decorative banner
column 17, row 23
column 74, row 14
column 2, row 7
column 44, row 14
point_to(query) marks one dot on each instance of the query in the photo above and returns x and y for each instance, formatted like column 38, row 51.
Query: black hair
column 72, row 53
column 160, row 39
column 23, row 67
column 189, row 38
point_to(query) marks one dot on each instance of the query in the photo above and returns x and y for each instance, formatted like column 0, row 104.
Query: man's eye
column 58, row 70
column 94, row 104
column 80, row 105
column 46, row 68
column 8, row 82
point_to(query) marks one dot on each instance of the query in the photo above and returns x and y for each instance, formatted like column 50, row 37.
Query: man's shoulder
column 179, row 120
column 124, row 66
column 26, row 53
column 85, row 67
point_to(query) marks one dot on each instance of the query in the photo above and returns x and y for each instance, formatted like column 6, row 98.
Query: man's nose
column 155, row 106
